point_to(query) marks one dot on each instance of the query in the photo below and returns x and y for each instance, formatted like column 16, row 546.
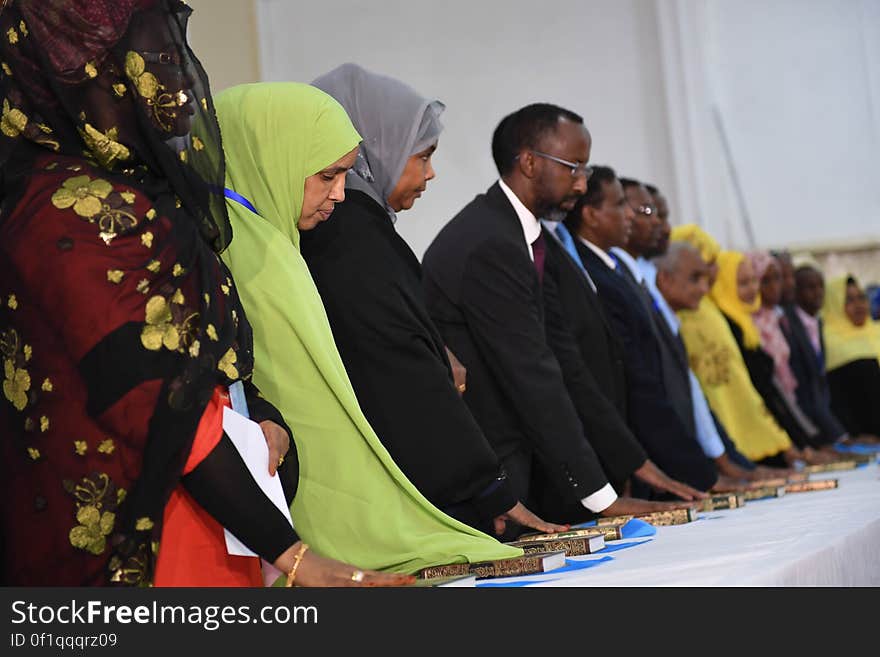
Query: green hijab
column 353, row 502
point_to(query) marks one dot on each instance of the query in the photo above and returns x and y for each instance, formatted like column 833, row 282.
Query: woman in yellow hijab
column 852, row 349
column 736, row 293
column 288, row 147
column 717, row 361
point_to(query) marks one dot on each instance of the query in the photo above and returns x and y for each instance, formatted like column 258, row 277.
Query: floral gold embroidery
column 182, row 156
column 225, row 289
column 47, row 385
column 83, row 194
column 27, row 352
column 128, row 197
column 133, row 571
column 212, row 332
column 177, row 270
column 94, row 527
column 91, row 70
column 34, row 453
column 13, row 121
column 12, row 35
column 168, row 323
column 143, row 286
column 198, row 144
column 44, row 424
column 12, row 302
column 115, row 275
column 194, row 349
column 119, row 89
column 205, row 104
column 104, row 145
column 147, row 239
column 16, row 383
column 154, row 266
column 97, row 499
column 80, row 447
column 151, row 214
column 143, row 524
column 106, row 446
column 227, row 364
column 6, row 68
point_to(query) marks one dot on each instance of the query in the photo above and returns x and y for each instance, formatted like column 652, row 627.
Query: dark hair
column 626, row 183
column 594, row 195
column 652, row 189
column 524, row 129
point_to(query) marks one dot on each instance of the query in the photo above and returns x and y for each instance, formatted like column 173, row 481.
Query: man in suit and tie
column 659, row 404
column 482, row 278
column 591, row 358
column 807, row 346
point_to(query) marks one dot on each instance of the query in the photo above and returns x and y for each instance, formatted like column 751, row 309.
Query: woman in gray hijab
column 370, row 282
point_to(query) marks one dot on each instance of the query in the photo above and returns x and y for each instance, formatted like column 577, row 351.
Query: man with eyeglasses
column 482, row 276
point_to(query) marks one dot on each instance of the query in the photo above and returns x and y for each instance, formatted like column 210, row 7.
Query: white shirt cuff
column 601, row 499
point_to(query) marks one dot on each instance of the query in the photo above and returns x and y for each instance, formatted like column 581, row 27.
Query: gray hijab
column 394, row 120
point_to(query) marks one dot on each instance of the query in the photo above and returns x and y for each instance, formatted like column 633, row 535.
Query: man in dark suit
column 806, row 361
column 591, row 358
column 482, row 278
column 660, row 410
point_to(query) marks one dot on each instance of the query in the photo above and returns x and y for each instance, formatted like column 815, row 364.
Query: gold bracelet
column 291, row 576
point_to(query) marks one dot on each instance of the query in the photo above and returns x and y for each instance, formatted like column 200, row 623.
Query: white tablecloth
column 826, row 538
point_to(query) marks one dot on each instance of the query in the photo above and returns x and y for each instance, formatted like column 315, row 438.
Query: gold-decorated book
column 804, row 486
column 658, row 518
column 573, row 547
column 719, row 502
column 609, row 532
column 452, row 581
column 528, row 564
column 836, row 466
column 764, row 493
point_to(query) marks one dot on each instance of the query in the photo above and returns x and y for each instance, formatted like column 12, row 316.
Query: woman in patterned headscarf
column 121, row 331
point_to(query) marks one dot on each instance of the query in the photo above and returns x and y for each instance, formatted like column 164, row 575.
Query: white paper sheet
column 247, row 436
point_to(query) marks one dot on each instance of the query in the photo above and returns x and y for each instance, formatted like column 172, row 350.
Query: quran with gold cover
column 658, row 518
column 528, row 564
column 573, row 547
column 836, row 466
column 764, row 493
column 719, row 502
column 608, row 532
column 804, row 486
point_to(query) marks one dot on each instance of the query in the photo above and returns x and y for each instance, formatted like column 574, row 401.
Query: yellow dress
column 716, row 360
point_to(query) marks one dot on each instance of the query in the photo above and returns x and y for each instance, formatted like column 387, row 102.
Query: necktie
column 538, row 251
column 567, row 242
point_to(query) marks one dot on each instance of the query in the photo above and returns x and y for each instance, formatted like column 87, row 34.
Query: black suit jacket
column 761, row 371
column 370, row 283
column 591, row 358
column 813, row 394
column 483, row 293
column 659, row 405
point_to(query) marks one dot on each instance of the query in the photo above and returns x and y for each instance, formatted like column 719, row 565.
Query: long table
column 824, row 538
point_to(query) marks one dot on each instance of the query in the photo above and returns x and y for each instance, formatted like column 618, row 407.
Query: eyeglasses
column 647, row 210
column 576, row 168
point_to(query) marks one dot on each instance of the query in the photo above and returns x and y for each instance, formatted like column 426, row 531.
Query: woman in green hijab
column 288, row 147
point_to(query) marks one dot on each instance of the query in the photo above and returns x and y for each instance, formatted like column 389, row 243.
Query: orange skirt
column 193, row 548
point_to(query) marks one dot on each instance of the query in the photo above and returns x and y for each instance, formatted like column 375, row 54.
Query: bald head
column 682, row 276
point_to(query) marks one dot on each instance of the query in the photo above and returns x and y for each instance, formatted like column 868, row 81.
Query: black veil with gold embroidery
column 113, row 84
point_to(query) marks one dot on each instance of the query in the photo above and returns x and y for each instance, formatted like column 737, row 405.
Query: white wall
column 797, row 87
column 485, row 59
column 796, row 84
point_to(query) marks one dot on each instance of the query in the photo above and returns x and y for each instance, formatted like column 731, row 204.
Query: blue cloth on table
column 634, row 528
column 622, row 545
